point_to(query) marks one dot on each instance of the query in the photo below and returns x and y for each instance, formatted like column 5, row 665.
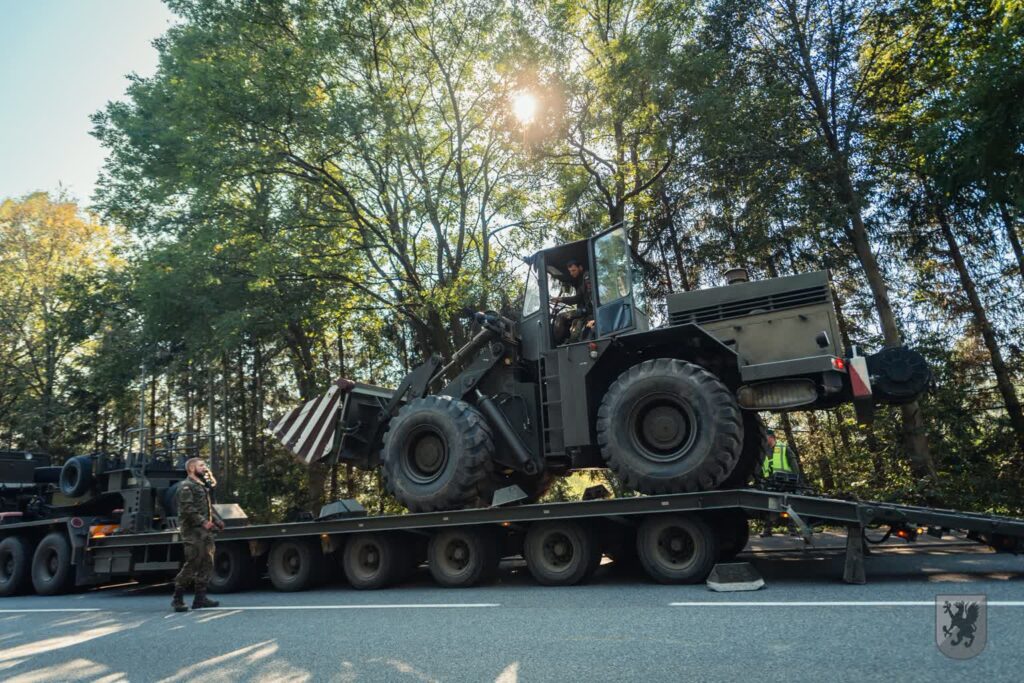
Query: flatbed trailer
column 676, row 538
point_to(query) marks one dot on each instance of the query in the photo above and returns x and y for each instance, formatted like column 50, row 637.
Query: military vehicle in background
column 670, row 409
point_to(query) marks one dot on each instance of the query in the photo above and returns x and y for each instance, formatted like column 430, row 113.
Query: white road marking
column 252, row 608
column 835, row 603
column 59, row 609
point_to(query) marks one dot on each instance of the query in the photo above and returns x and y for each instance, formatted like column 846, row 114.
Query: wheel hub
column 370, row 558
column 458, row 555
column 426, row 457
column 663, row 427
column 676, row 546
column 52, row 564
column 558, row 551
column 292, row 562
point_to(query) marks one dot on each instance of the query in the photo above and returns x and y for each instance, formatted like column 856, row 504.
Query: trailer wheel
column 51, row 565
column 462, row 557
column 733, row 530
column 668, row 426
column 752, row 455
column 15, row 564
column 374, row 560
column 561, row 553
column 295, row 564
column 76, row 476
column 676, row 548
column 232, row 568
column 437, row 455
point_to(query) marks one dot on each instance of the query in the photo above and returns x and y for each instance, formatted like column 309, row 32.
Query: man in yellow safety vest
column 779, row 460
column 781, row 468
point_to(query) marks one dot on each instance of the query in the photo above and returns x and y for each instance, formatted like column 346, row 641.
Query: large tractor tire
column 438, row 455
column 755, row 450
column 668, row 426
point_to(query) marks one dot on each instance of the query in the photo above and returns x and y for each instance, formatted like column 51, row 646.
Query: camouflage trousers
column 198, row 565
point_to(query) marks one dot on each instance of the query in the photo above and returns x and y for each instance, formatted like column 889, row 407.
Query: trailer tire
column 561, row 553
column 15, row 566
column 676, row 548
column 438, row 455
column 733, row 529
column 462, row 557
column 668, row 426
column 52, row 573
column 76, row 476
column 752, row 455
column 295, row 564
column 232, row 568
column 374, row 560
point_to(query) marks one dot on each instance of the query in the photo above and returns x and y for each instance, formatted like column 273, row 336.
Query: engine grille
column 794, row 298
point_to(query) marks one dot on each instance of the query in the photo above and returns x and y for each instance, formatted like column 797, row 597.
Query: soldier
column 574, row 325
column 197, row 523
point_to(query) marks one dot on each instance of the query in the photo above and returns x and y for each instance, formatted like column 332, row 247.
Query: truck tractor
column 668, row 409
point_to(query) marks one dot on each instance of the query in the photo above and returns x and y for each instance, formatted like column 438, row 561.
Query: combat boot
column 201, row 601
column 178, row 601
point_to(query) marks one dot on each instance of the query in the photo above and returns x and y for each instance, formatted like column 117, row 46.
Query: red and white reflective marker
column 860, row 381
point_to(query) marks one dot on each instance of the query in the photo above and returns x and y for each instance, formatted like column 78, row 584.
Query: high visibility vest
column 778, row 461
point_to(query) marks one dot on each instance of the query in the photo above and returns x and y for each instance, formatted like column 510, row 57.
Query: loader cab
column 614, row 291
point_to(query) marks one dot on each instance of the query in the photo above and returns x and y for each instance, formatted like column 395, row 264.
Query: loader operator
column 198, row 522
column 575, row 325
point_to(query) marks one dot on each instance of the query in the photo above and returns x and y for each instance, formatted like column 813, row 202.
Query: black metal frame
column 804, row 510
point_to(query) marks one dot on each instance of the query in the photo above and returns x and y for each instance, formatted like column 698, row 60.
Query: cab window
column 611, row 259
column 531, row 302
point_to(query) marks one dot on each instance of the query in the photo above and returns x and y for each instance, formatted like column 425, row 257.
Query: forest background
column 308, row 189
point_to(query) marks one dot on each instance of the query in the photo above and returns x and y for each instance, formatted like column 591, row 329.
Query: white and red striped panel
column 308, row 431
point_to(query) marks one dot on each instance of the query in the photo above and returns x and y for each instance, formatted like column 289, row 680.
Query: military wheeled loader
column 670, row 409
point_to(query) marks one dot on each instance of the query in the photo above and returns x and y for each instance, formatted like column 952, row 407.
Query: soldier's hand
column 220, row 525
column 207, row 525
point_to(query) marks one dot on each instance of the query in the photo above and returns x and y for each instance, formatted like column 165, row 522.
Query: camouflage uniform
column 194, row 508
column 569, row 325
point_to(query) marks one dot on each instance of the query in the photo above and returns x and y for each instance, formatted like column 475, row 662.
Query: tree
column 49, row 252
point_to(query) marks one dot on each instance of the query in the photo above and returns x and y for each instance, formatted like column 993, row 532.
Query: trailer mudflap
column 110, row 561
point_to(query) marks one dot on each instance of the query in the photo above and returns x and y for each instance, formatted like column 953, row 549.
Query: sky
column 61, row 61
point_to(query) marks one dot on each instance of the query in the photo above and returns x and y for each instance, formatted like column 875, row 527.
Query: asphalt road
column 806, row 625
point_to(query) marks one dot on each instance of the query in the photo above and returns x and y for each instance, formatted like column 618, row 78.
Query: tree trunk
column 1004, row 382
column 828, row 481
column 914, row 437
column 1012, row 236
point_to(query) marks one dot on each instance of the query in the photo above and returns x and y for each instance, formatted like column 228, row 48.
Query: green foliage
column 315, row 188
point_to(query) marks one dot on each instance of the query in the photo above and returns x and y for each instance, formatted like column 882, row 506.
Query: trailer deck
column 371, row 549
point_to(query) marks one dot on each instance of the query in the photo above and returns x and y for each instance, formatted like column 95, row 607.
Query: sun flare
column 524, row 107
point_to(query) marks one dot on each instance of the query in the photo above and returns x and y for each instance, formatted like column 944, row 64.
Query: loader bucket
column 344, row 421
column 360, row 422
